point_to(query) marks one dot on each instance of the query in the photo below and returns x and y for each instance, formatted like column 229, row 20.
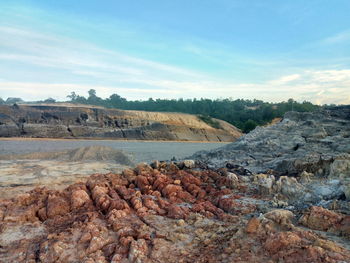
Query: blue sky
column 271, row 50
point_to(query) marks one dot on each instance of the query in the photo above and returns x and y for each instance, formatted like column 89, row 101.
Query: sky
column 270, row 50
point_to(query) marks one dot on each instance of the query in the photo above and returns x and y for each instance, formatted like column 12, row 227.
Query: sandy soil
column 18, row 176
column 55, row 170
column 22, row 171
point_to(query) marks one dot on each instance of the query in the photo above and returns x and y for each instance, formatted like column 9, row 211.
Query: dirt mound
column 89, row 153
column 164, row 213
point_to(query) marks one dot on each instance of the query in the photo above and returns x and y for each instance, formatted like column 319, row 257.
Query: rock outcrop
column 165, row 212
column 305, row 157
column 69, row 121
column 317, row 142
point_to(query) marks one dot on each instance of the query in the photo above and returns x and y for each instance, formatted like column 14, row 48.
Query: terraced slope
column 72, row 121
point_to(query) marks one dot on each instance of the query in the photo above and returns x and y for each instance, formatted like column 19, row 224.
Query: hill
column 76, row 121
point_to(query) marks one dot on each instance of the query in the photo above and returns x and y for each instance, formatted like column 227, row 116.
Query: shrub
column 208, row 120
column 249, row 125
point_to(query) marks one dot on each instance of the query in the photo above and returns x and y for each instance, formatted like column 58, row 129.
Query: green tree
column 244, row 114
column 249, row 125
column 50, row 100
column 72, row 96
column 115, row 101
column 93, row 99
column 92, row 93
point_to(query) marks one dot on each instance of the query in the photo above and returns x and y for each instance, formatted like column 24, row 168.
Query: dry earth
column 57, row 170
column 166, row 213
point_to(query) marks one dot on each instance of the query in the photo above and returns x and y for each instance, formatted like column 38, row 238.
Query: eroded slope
column 45, row 121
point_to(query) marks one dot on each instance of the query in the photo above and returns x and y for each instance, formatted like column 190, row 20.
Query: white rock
column 233, row 178
column 264, row 183
column 290, row 187
column 189, row 164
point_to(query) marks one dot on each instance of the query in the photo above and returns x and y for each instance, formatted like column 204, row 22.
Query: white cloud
column 70, row 64
column 338, row 38
column 321, row 87
column 37, row 91
column 285, row 79
column 65, row 53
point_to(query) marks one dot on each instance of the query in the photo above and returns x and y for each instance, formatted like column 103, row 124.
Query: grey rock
column 317, row 143
column 309, row 154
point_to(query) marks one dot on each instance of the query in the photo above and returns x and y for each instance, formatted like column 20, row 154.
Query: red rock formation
column 165, row 215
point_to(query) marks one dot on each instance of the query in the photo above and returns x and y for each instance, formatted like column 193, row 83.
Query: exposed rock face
column 314, row 142
column 308, row 154
column 44, row 121
column 160, row 214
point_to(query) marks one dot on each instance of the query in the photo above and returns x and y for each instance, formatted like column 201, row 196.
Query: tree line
column 242, row 113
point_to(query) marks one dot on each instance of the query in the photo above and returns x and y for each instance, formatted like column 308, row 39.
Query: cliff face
column 49, row 121
column 301, row 141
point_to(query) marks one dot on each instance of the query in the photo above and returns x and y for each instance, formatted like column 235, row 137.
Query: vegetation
column 49, row 100
column 209, row 120
column 249, row 125
column 244, row 114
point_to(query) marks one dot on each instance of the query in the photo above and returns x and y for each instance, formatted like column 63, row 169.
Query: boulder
column 319, row 218
column 264, row 183
column 289, row 187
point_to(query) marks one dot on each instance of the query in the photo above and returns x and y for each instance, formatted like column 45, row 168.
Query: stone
column 253, row 225
column 56, row 206
column 190, row 164
column 202, row 219
column 346, row 189
column 319, row 218
column 281, row 217
column 289, row 187
column 79, row 198
column 233, row 179
column 264, row 183
column 138, row 251
column 305, row 177
column 340, row 168
column 302, row 141
column 278, row 241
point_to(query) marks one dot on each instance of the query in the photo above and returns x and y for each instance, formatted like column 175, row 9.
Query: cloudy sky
column 271, row 50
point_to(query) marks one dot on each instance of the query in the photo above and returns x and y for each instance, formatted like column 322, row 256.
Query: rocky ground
column 308, row 153
column 291, row 205
column 167, row 212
